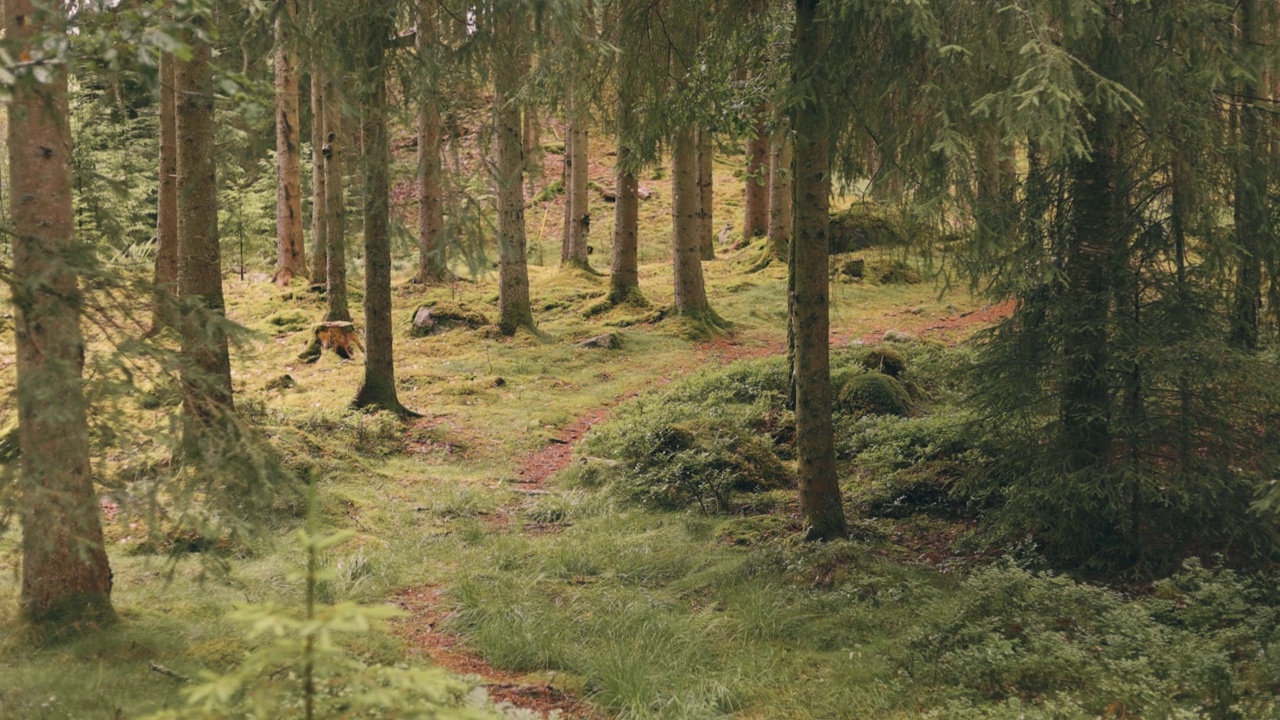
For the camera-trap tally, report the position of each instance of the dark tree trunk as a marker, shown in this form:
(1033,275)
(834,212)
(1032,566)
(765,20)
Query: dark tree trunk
(319,215)
(206,375)
(432,265)
(379,386)
(65,575)
(706,195)
(291,253)
(514,310)
(624,270)
(755,205)
(577,202)
(335,205)
(166,272)
(1252,221)
(810,311)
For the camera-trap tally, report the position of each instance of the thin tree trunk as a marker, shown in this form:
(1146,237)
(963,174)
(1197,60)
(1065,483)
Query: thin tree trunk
(378,389)
(566,184)
(432,266)
(706,195)
(532,138)
(65,575)
(1251,212)
(335,204)
(319,194)
(166,271)
(576,199)
(780,152)
(690,290)
(755,205)
(810,310)
(291,252)
(514,310)
(206,376)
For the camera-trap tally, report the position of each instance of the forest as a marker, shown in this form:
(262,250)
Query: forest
(516,359)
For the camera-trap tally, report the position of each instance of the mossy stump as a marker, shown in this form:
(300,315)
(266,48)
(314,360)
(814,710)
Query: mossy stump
(337,336)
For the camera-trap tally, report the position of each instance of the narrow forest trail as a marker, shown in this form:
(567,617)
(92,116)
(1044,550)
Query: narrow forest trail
(424,628)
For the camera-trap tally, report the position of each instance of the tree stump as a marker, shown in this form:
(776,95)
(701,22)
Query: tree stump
(340,337)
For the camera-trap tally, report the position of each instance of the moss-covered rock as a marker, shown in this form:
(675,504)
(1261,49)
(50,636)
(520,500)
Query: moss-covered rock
(431,319)
(873,394)
(885,361)
(862,226)
(893,272)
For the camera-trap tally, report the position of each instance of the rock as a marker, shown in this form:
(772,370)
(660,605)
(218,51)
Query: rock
(723,237)
(848,267)
(643,192)
(284,382)
(607,341)
(431,319)
(898,336)
(608,194)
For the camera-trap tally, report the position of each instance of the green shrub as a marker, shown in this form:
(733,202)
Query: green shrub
(873,394)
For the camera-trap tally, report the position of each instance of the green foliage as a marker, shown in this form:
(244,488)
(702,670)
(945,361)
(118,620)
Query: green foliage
(303,664)
(1198,647)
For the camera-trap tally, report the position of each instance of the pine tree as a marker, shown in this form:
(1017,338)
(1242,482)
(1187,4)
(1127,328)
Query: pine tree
(291,254)
(510,63)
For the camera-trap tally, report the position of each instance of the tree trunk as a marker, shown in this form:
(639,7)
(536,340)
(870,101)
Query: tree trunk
(706,195)
(1085,401)
(577,203)
(755,205)
(532,138)
(624,269)
(1250,210)
(319,214)
(690,291)
(166,272)
(378,388)
(780,151)
(65,575)
(810,310)
(514,310)
(206,375)
(432,265)
(291,253)
(335,204)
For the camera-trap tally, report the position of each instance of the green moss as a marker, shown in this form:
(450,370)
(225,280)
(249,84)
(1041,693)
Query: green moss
(752,530)
(873,394)
(886,361)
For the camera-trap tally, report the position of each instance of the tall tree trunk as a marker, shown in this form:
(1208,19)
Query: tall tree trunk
(755,205)
(319,194)
(514,310)
(1251,212)
(291,252)
(65,575)
(206,375)
(624,269)
(378,389)
(532,138)
(432,266)
(1085,398)
(780,151)
(690,290)
(335,204)
(576,198)
(810,310)
(166,271)
(706,195)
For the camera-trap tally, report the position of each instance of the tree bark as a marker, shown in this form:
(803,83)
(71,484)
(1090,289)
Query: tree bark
(532,138)
(206,374)
(810,310)
(378,389)
(166,270)
(1252,226)
(291,252)
(514,310)
(780,152)
(755,205)
(574,254)
(432,265)
(706,195)
(65,575)
(690,290)
(624,268)
(335,204)
(319,194)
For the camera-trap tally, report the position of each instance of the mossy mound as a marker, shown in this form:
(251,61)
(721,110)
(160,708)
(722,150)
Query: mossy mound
(885,361)
(873,394)
(441,316)
(893,272)
(862,226)
(289,321)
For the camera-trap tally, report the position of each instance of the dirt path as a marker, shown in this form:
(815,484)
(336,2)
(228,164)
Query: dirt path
(424,604)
